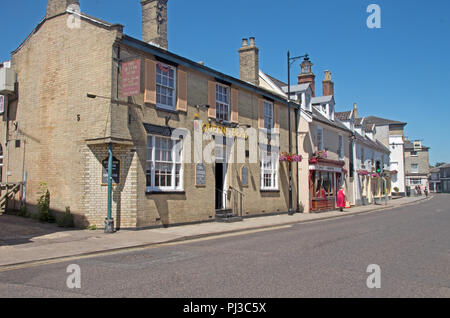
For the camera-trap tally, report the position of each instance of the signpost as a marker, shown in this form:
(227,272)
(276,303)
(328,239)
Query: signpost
(115,171)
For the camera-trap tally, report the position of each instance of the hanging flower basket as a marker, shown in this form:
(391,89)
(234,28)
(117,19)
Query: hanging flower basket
(362,172)
(320,154)
(375,175)
(286,157)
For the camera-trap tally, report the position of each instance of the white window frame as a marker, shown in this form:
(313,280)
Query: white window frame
(414,153)
(273,170)
(160,85)
(414,170)
(320,142)
(341,146)
(176,161)
(221,103)
(268,115)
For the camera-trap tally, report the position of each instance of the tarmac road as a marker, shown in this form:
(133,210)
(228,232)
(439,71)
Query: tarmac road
(329,258)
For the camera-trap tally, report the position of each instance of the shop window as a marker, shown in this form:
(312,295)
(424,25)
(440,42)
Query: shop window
(165,86)
(324,185)
(164,164)
(269,167)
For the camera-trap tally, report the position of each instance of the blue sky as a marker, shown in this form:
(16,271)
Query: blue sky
(401,71)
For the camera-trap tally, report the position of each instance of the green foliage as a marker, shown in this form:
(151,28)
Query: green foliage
(92,227)
(66,220)
(23,212)
(44,204)
(397,190)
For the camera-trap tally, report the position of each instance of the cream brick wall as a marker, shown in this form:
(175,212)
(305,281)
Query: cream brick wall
(56,67)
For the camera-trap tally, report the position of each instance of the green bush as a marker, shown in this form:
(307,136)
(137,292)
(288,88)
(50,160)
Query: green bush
(23,212)
(397,190)
(66,220)
(44,205)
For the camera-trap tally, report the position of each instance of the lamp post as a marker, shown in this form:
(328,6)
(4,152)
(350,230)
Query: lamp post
(290,61)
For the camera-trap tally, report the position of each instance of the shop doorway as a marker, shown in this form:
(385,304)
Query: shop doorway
(221,195)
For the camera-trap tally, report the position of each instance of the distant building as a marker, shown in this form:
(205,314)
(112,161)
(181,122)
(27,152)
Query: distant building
(445,178)
(435,180)
(390,133)
(417,164)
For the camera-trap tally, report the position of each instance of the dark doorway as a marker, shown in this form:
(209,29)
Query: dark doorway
(219,186)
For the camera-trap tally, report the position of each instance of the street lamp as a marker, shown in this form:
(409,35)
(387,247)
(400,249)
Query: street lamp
(109,222)
(290,61)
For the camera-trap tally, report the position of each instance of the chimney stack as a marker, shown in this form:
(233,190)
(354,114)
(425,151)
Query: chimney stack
(249,61)
(328,85)
(55,7)
(355,110)
(154,22)
(307,76)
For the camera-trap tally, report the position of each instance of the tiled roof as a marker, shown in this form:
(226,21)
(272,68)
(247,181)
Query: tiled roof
(382,121)
(344,116)
(317,115)
(277,82)
(358,122)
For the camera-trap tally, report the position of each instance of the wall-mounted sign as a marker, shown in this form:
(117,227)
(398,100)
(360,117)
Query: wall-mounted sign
(225,131)
(244,176)
(115,171)
(2,104)
(325,168)
(131,78)
(200,175)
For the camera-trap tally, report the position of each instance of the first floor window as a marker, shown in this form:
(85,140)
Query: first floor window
(164,164)
(319,138)
(222,103)
(269,167)
(414,168)
(341,147)
(165,86)
(268,115)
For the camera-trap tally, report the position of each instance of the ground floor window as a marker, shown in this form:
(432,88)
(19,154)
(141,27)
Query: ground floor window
(323,184)
(269,168)
(164,164)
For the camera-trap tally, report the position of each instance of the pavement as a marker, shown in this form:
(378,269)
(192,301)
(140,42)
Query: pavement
(25,241)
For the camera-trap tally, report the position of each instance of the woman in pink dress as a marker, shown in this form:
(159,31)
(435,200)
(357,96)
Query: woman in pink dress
(341,199)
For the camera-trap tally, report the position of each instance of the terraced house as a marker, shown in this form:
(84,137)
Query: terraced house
(91,105)
(323,140)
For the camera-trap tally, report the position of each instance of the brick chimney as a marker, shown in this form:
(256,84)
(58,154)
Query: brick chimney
(249,62)
(328,85)
(154,22)
(307,76)
(55,7)
(355,110)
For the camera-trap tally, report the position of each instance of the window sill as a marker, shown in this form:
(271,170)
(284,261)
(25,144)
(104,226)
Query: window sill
(166,109)
(151,192)
(270,190)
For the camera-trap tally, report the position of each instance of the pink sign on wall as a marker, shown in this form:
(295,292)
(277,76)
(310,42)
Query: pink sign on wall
(131,78)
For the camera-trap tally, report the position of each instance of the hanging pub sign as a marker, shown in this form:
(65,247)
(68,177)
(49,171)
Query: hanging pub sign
(115,171)
(131,78)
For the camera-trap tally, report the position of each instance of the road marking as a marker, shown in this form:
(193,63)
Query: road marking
(136,249)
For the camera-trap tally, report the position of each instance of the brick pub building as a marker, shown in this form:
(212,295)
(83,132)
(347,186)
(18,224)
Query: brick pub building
(68,107)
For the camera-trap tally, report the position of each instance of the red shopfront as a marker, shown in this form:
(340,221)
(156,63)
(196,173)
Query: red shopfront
(325,178)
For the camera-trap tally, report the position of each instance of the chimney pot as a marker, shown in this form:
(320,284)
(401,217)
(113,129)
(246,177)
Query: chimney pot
(252,41)
(244,42)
